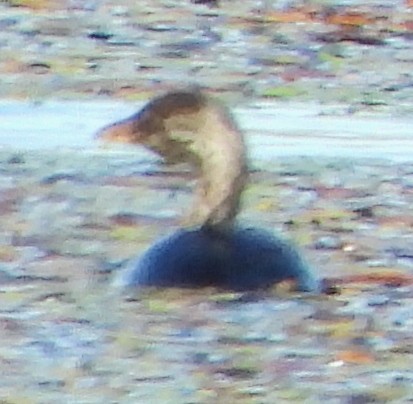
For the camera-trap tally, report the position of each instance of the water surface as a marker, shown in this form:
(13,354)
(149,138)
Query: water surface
(271,129)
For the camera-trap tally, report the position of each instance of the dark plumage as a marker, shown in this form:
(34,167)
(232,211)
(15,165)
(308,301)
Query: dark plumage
(241,259)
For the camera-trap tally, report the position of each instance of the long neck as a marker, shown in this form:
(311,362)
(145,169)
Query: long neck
(223,171)
(200,131)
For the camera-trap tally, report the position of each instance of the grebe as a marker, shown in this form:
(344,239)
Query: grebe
(211,250)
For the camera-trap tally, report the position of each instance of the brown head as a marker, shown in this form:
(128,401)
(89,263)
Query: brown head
(150,120)
(188,126)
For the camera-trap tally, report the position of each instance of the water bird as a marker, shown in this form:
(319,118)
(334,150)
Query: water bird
(211,248)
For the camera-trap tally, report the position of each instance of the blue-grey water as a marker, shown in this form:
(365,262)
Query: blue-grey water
(271,129)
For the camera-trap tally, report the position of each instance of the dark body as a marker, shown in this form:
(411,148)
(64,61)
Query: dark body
(243,259)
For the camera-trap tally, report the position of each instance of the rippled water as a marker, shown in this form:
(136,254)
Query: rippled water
(68,336)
